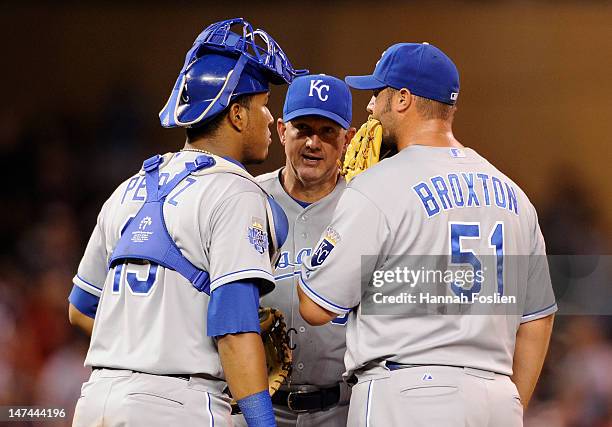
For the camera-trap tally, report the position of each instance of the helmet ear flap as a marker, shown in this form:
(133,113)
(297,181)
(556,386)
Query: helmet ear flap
(208,87)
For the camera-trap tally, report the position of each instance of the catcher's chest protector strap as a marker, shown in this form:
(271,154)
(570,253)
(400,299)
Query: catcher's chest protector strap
(146,236)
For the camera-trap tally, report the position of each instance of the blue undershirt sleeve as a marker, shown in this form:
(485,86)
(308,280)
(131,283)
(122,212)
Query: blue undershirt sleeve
(85,302)
(233,309)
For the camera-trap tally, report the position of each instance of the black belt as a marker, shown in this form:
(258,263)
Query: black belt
(185,377)
(308,401)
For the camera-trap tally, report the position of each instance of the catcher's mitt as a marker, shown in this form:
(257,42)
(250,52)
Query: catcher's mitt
(363,150)
(276,345)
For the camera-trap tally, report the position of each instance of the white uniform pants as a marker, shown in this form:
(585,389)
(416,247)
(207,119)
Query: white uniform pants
(126,398)
(436,396)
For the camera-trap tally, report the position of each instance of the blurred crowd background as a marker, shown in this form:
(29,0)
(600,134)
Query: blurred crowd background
(83,85)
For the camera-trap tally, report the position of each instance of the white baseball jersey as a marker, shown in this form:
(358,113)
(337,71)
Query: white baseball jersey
(430,201)
(319,351)
(151,319)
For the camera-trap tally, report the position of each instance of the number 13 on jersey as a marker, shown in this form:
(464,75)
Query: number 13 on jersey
(140,279)
(459,231)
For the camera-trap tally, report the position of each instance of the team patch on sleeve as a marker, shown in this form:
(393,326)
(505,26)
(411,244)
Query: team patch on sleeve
(258,236)
(330,239)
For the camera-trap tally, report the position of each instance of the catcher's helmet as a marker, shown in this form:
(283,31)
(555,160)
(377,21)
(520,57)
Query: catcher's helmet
(220,66)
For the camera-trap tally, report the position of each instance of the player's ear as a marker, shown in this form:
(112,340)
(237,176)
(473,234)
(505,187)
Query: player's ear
(238,116)
(350,133)
(403,100)
(281,128)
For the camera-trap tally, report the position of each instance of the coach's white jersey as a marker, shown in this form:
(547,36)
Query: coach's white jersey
(152,319)
(431,201)
(319,351)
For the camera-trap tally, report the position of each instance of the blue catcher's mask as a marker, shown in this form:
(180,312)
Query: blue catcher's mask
(220,66)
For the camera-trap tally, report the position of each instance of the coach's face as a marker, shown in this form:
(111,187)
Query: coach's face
(257,135)
(313,146)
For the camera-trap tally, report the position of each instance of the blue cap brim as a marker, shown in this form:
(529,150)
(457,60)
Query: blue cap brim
(364,82)
(316,112)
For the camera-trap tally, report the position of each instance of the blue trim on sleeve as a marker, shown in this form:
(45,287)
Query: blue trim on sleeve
(233,309)
(339,307)
(268,275)
(540,311)
(85,302)
(90,284)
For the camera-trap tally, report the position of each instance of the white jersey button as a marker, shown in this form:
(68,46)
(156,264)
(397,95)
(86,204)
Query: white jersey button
(302,329)
(300,366)
(304,235)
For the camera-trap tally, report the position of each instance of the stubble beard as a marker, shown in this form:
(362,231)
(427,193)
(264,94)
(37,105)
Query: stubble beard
(389,140)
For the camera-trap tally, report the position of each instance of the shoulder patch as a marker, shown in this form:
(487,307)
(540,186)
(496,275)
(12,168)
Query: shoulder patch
(330,239)
(258,236)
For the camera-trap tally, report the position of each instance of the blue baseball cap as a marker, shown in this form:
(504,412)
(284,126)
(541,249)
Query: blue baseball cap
(419,67)
(319,95)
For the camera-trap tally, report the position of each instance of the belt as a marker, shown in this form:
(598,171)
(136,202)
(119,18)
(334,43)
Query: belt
(394,366)
(308,401)
(185,377)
